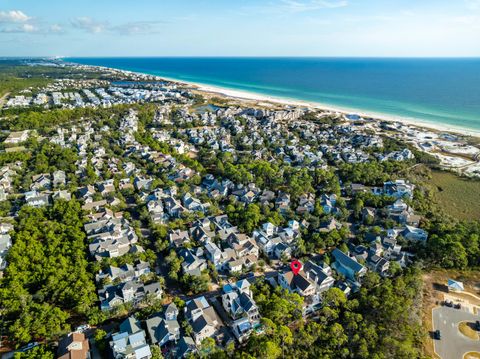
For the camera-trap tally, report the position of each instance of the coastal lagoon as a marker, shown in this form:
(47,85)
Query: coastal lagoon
(443,92)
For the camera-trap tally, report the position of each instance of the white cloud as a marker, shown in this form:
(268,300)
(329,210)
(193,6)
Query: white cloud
(13,16)
(137,28)
(130,28)
(55,28)
(311,5)
(24,28)
(89,25)
(28,28)
(288,7)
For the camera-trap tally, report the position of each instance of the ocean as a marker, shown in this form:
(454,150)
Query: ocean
(442,91)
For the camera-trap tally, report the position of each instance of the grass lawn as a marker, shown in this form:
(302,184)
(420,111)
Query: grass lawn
(466,329)
(459,197)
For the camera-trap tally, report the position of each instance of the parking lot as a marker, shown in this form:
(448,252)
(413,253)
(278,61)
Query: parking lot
(453,344)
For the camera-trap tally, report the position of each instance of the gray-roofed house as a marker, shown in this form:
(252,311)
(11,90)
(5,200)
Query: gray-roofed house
(347,266)
(130,341)
(203,319)
(162,331)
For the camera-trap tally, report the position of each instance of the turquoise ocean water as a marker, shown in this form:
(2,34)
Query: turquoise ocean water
(441,91)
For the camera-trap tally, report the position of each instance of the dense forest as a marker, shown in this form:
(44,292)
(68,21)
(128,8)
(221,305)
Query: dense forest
(47,281)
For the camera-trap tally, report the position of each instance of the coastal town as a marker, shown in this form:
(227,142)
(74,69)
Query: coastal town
(192,206)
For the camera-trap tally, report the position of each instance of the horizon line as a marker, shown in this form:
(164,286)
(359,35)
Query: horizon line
(59,57)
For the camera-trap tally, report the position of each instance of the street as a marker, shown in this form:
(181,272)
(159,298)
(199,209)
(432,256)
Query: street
(453,344)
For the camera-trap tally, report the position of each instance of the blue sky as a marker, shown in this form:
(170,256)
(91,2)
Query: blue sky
(240,28)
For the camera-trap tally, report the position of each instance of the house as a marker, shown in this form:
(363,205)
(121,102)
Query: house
(94,206)
(193,204)
(125,184)
(282,202)
(237,300)
(5,245)
(213,254)
(106,187)
(110,237)
(203,319)
(378,264)
(282,250)
(130,292)
(320,275)
(173,207)
(5,227)
(155,209)
(414,234)
(41,181)
(455,286)
(162,331)
(358,188)
(59,178)
(170,311)
(347,266)
(17,137)
(62,194)
(245,248)
(35,199)
(398,189)
(201,232)
(297,283)
(306,203)
(130,342)
(3,194)
(235,265)
(368,214)
(328,203)
(73,346)
(399,211)
(185,347)
(329,225)
(178,238)
(142,184)
(268,245)
(193,263)
(124,273)
(86,192)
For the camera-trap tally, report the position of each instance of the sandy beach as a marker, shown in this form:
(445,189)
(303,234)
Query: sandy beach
(253,96)
(244,95)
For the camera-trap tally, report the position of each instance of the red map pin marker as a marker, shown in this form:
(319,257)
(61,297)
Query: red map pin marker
(296,266)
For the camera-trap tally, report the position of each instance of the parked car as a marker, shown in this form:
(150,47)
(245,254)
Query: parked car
(82,328)
(437,335)
(448,303)
(457,306)
(28,347)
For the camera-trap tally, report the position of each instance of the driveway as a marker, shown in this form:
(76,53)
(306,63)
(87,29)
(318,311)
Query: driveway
(453,344)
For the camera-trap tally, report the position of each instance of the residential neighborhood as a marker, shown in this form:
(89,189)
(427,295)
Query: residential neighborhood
(191,215)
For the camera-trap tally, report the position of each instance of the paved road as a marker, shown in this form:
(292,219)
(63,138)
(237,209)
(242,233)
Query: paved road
(453,344)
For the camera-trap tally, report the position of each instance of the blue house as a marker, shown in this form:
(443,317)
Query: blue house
(347,266)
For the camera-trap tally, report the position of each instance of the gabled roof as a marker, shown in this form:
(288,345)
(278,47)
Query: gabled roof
(346,261)
(158,328)
(298,281)
(130,325)
(185,346)
(453,284)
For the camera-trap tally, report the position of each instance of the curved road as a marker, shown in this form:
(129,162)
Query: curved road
(453,344)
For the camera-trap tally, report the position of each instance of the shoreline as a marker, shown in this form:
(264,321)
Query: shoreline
(255,96)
